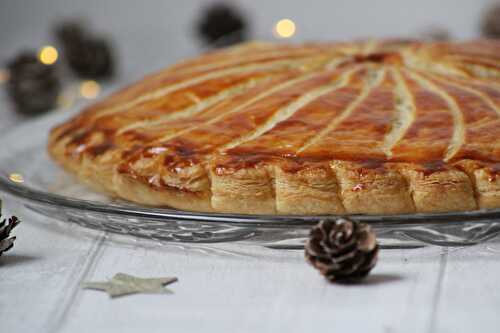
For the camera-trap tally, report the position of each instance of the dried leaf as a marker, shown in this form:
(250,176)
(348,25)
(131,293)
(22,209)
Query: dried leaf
(123,284)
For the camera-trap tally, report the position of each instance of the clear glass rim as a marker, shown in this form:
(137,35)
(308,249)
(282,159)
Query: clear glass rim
(26,193)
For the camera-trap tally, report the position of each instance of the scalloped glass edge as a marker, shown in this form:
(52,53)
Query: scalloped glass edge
(45,198)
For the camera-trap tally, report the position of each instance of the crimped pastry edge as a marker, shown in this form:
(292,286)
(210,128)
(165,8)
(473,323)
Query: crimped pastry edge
(334,187)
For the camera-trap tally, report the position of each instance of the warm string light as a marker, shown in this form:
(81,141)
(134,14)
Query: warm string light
(284,28)
(4,76)
(67,98)
(90,89)
(48,55)
(16,177)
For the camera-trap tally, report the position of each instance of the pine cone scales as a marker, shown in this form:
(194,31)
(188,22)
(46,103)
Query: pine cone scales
(6,227)
(342,250)
(90,58)
(490,25)
(87,55)
(33,86)
(222,25)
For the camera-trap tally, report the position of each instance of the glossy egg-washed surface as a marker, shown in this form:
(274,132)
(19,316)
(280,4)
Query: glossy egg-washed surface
(431,107)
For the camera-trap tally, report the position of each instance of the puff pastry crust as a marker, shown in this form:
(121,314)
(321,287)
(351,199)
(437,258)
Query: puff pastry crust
(376,127)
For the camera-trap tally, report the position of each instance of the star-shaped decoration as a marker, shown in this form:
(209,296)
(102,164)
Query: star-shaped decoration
(123,284)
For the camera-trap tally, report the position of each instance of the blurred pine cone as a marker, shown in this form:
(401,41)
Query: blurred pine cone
(87,56)
(67,32)
(490,25)
(32,86)
(222,25)
(342,250)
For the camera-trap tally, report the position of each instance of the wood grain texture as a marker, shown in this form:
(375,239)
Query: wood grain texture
(39,278)
(237,288)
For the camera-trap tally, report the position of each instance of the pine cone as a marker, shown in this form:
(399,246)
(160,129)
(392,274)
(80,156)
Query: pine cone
(222,25)
(68,32)
(342,250)
(87,56)
(32,86)
(5,229)
(490,26)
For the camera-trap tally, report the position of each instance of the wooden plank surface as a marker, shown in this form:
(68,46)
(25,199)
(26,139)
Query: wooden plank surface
(241,288)
(256,290)
(469,290)
(39,275)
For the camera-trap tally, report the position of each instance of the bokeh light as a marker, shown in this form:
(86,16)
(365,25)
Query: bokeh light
(16,177)
(4,76)
(90,89)
(48,55)
(68,97)
(284,28)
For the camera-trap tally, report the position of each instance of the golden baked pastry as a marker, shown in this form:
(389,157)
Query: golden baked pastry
(378,127)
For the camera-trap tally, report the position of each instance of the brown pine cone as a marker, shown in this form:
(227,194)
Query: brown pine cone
(490,26)
(342,250)
(88,56)
(33,87)
(222,25)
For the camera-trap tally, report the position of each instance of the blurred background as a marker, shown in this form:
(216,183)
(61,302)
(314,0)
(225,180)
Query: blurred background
(125,39)
(149,34)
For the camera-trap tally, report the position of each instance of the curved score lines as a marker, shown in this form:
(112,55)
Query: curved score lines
(404,113)
(458,136)
(162,92)
(485,98)
(293,54)
(291,108)
(197,107)
(417,61)
(279,87)
(336,61)
(202,105)
(371,83)
(482,71)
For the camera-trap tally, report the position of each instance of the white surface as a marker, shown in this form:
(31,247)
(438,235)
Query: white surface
(232,288)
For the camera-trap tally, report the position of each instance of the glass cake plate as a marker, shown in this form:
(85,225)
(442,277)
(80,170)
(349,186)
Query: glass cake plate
(27,173)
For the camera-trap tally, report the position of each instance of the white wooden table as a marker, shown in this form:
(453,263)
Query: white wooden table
(237,288)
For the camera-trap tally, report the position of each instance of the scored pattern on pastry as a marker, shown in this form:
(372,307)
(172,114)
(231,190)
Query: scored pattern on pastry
(458,135)
(405,113)
(377,127)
